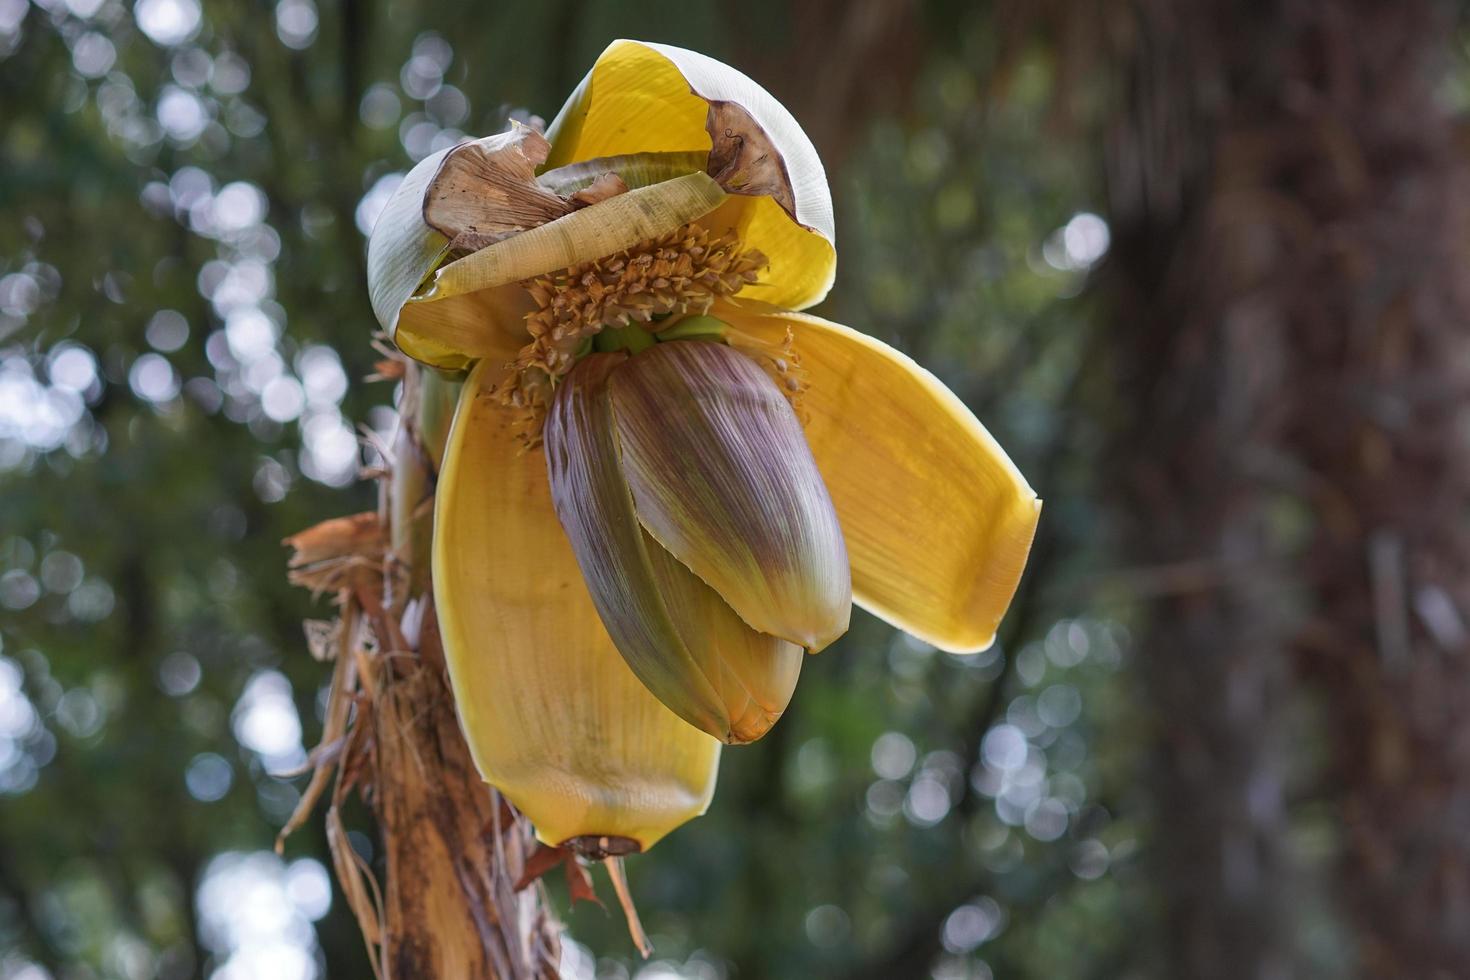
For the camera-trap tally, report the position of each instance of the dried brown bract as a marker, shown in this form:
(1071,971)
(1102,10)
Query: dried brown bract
(338,553)
(486,190)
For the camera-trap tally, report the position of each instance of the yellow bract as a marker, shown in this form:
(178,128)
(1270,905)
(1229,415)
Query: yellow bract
(553,716)
(642,97)
(938,520)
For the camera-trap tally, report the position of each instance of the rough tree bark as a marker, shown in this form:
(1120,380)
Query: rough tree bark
(1288,205)
(443,902)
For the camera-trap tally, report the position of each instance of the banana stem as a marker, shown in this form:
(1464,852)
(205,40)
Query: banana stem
(426,410)
(438,396)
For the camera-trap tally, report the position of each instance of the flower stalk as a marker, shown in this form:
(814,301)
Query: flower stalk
(720,477)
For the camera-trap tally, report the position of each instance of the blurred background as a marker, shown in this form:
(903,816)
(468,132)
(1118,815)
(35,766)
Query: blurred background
(1199,267)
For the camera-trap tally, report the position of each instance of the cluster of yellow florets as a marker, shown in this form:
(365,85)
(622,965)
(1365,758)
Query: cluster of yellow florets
(679,273)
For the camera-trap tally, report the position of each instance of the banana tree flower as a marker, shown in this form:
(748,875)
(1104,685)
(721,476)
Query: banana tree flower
(660,476)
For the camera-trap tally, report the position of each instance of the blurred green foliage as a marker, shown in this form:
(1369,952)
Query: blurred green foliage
(183,336)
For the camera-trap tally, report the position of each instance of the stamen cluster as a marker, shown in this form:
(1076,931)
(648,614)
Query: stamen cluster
(780,360)
(679,273)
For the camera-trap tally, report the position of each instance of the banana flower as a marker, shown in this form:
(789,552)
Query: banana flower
(663,484)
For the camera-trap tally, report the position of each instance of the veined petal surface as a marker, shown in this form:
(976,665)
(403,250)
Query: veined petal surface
(722,477)
(753,673)
(938,520)
(675,632)
(553,716)
(646,97)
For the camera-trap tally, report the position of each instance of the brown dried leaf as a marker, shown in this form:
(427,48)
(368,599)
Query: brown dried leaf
(542,860)
(330,555)
(334,730)
(354,765)
(545,858)
(361,890)
(355,535)
(603,187)
(388,369)
(579,883)
(742,158)
(486,190)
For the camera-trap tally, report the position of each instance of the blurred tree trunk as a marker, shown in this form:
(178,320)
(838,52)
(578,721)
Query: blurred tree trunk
(445,902)
(1292,359)
(843,62)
